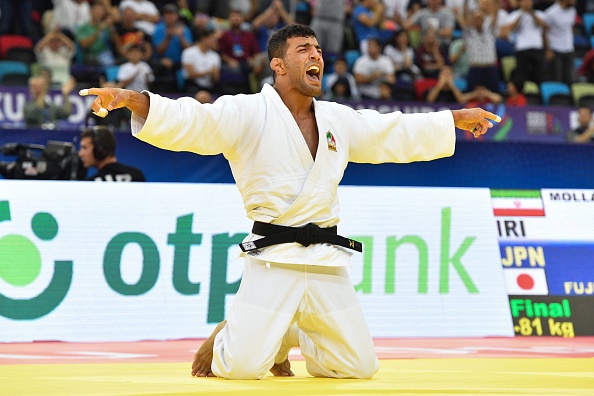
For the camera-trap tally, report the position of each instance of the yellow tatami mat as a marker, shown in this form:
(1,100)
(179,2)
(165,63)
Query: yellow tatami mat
(451,376)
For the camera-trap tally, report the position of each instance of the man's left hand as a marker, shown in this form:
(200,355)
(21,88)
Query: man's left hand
(475,120)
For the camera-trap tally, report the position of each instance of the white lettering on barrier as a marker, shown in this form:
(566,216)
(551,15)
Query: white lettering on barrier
(12,105)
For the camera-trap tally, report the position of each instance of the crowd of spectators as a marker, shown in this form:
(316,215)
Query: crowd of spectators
(434,50)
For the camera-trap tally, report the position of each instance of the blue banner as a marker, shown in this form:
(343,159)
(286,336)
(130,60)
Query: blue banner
(519,124)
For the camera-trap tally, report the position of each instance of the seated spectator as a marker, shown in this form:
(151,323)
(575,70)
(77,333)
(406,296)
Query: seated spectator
(147,14)
(584,133)
(97,150)
(93,37)
(431,55)
(69,15)
(367,18)
(55,52)
(201,22)
(515,97)
(261,71)
(38,112)
(458,58)
(135,74)
(340,89)
(403,57)
(201,64)
(372,69)
(386,91)
(481,96)
(435,17)
(585,72)
(170,39)
(203,96)
(445,90)
(341,84)
(238,49)
(126,34)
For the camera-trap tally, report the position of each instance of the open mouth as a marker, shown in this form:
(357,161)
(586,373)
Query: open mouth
(313,73)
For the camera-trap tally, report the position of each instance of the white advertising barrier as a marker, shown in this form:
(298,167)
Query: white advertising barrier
(84,261)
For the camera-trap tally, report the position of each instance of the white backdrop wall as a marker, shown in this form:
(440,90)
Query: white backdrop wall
(86,261)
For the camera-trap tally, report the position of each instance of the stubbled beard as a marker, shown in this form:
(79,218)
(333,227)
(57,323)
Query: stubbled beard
(311,90)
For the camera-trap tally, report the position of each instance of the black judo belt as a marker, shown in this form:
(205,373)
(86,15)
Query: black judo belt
(308,234)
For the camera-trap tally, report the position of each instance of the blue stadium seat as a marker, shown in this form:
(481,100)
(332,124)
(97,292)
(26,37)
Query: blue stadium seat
(578,63)
(13,67)
(181,80)
(581,41)
(351,56)
(111,72)
(550,88)
(588,22)
(461,83)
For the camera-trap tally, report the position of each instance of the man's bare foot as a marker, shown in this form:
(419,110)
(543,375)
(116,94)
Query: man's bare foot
(203,357)
(282,369)
(290,340)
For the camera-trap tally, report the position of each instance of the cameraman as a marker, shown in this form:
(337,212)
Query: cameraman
(97,149)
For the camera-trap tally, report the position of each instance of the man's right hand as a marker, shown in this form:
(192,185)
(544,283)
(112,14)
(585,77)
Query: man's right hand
(109,99)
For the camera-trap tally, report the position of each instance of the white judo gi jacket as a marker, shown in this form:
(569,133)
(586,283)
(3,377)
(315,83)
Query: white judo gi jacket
(277,177)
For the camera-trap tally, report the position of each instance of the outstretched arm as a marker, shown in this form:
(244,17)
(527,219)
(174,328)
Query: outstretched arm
(109,99)
(475,120)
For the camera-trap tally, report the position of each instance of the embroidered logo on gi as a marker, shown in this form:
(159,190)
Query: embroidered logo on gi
(331,141)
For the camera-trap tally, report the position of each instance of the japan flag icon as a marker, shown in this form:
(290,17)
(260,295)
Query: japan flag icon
(524,281)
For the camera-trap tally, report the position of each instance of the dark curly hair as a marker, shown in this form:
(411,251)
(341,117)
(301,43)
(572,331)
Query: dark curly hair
(277,44)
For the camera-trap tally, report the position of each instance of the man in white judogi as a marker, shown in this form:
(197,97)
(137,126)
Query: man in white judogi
(288,153)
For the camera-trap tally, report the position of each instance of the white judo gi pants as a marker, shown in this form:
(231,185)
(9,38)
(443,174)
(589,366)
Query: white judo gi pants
(334,338)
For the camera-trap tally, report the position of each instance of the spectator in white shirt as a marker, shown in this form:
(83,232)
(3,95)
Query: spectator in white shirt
(560,18)
(434,17)
(372,69)
(55,52)
(402,55)
(529,25)
(68,15)
(340,84)
(147,14)
(201,64)
(135,74)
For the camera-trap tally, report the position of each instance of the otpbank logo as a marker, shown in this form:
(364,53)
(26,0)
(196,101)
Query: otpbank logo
(21,264)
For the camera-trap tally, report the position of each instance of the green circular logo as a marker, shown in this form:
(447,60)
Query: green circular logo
(45,226)
(20,265)
(20,262)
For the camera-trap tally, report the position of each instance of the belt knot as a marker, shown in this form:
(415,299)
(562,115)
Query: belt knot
(308,234)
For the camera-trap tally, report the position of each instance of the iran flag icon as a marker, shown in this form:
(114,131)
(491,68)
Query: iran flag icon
(521,281)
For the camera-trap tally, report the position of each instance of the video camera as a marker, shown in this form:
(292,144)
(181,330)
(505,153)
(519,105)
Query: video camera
(56,161)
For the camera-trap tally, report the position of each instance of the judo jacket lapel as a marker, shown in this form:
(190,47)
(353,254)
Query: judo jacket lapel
(308,191)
